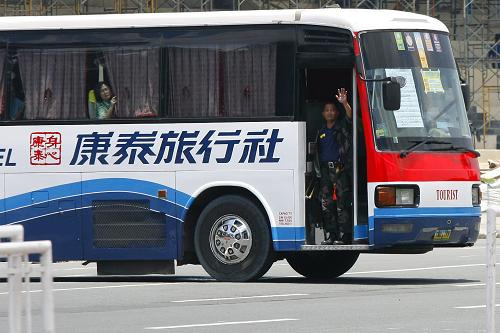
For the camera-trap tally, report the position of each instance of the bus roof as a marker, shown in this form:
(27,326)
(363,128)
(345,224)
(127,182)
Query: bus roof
(354,20)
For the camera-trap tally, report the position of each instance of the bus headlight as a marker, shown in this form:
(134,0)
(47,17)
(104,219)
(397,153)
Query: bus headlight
(397,196)
(476,195)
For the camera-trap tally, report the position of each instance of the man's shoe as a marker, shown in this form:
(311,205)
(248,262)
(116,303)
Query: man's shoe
(328,241)
(338,242)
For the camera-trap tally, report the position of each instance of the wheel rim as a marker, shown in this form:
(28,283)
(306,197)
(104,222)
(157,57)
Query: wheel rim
(230,239)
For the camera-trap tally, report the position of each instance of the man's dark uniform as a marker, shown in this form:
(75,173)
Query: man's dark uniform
(333,166)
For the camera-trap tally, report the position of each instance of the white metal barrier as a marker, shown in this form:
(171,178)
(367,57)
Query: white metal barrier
(493,197)
(18,267)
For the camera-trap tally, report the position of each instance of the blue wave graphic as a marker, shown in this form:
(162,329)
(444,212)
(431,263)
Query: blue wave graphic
(79,195)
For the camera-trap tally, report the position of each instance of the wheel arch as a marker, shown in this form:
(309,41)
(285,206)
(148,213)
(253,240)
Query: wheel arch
(207,193)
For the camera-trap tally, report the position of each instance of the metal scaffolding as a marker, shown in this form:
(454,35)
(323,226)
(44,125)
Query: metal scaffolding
(480,58)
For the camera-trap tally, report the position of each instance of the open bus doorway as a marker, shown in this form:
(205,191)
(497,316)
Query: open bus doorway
(319,86)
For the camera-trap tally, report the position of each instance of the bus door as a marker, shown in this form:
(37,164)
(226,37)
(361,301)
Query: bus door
(325,64)
(48,205)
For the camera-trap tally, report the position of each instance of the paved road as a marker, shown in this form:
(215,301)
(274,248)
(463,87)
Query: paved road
(441,291)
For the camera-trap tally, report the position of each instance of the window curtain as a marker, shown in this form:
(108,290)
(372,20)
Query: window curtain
(54,83)
(250,81)
(193,82)
(3,54)
(135,80)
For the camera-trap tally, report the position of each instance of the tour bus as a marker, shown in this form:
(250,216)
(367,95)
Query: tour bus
(198,147)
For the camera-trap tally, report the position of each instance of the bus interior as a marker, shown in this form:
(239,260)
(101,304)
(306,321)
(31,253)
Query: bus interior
(319,83)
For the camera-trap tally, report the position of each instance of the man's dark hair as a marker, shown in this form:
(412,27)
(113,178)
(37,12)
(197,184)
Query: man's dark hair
(332,103)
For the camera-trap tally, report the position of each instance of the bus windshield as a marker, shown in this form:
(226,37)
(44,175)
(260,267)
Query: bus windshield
(432,107)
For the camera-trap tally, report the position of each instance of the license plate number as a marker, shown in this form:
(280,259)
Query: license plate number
(442,235)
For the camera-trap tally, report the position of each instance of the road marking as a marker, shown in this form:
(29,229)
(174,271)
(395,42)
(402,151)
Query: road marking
(471,284)
(105,287)
(73,269)
(473,306)
(414,269)
(222,323)
(474,255)
(233,298)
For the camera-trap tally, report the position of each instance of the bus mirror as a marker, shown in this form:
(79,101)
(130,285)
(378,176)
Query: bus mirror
(466,94)
(391,94)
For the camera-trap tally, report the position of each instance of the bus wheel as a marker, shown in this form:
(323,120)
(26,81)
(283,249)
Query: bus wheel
(322,264)
(232,240)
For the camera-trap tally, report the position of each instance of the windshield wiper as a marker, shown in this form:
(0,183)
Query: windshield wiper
(463,149)
(420,143)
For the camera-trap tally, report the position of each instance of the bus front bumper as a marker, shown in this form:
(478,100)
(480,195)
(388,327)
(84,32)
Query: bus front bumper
(436,231)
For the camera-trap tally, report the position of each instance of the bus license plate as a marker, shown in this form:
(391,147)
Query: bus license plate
(442,235)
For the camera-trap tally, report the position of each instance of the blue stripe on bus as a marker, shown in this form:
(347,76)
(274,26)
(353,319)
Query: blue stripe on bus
(427,211)
(287,245)
(288,233)
(96,185)
(361,231)
(288,238)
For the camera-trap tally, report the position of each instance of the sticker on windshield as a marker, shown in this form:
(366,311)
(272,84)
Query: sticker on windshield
(428,42)
(380,131)
(409,41)
(432,81)
(408,114)
(398,36)
(421,51)
(437,44)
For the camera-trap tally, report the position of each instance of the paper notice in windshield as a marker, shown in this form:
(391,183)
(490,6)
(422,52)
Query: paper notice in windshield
(437,43)
(432,81)
(421,50)
(428,42)
(398,36)
(409,41)
(408,114)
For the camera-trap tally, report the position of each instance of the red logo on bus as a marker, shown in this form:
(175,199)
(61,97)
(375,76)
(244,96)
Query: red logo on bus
(45,148)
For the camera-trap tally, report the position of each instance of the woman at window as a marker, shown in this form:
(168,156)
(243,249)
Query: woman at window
(105,101)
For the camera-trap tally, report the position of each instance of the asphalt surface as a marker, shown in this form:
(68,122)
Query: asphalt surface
(441,291)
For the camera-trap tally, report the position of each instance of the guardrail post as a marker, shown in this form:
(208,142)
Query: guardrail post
(17,253)
(14,233)
(491,234)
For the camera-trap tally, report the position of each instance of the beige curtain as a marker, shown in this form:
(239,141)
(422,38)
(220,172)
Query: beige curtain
(54,83)
(135,80)
(193,82)
(250,81)
(3,107)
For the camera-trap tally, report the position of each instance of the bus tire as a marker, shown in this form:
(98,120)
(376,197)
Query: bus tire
(322,265)
(232,240)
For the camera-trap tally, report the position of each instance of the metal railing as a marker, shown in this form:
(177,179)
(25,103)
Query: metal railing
(18,269)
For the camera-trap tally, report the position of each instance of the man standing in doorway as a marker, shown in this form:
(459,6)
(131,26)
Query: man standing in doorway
(333,166)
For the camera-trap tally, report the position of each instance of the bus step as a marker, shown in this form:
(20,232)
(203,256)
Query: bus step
(354,247)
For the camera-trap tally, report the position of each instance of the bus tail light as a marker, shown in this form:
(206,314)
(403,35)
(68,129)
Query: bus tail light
(476,195)
(396,196)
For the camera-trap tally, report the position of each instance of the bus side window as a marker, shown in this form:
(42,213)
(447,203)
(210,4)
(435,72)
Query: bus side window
(3,56)
(234,81)
(14,96)
(53,83)
(134,75)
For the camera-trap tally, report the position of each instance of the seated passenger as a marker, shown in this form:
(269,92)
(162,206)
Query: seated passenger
(105,101)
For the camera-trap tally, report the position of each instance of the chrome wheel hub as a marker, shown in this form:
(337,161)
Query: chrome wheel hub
(230,239)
